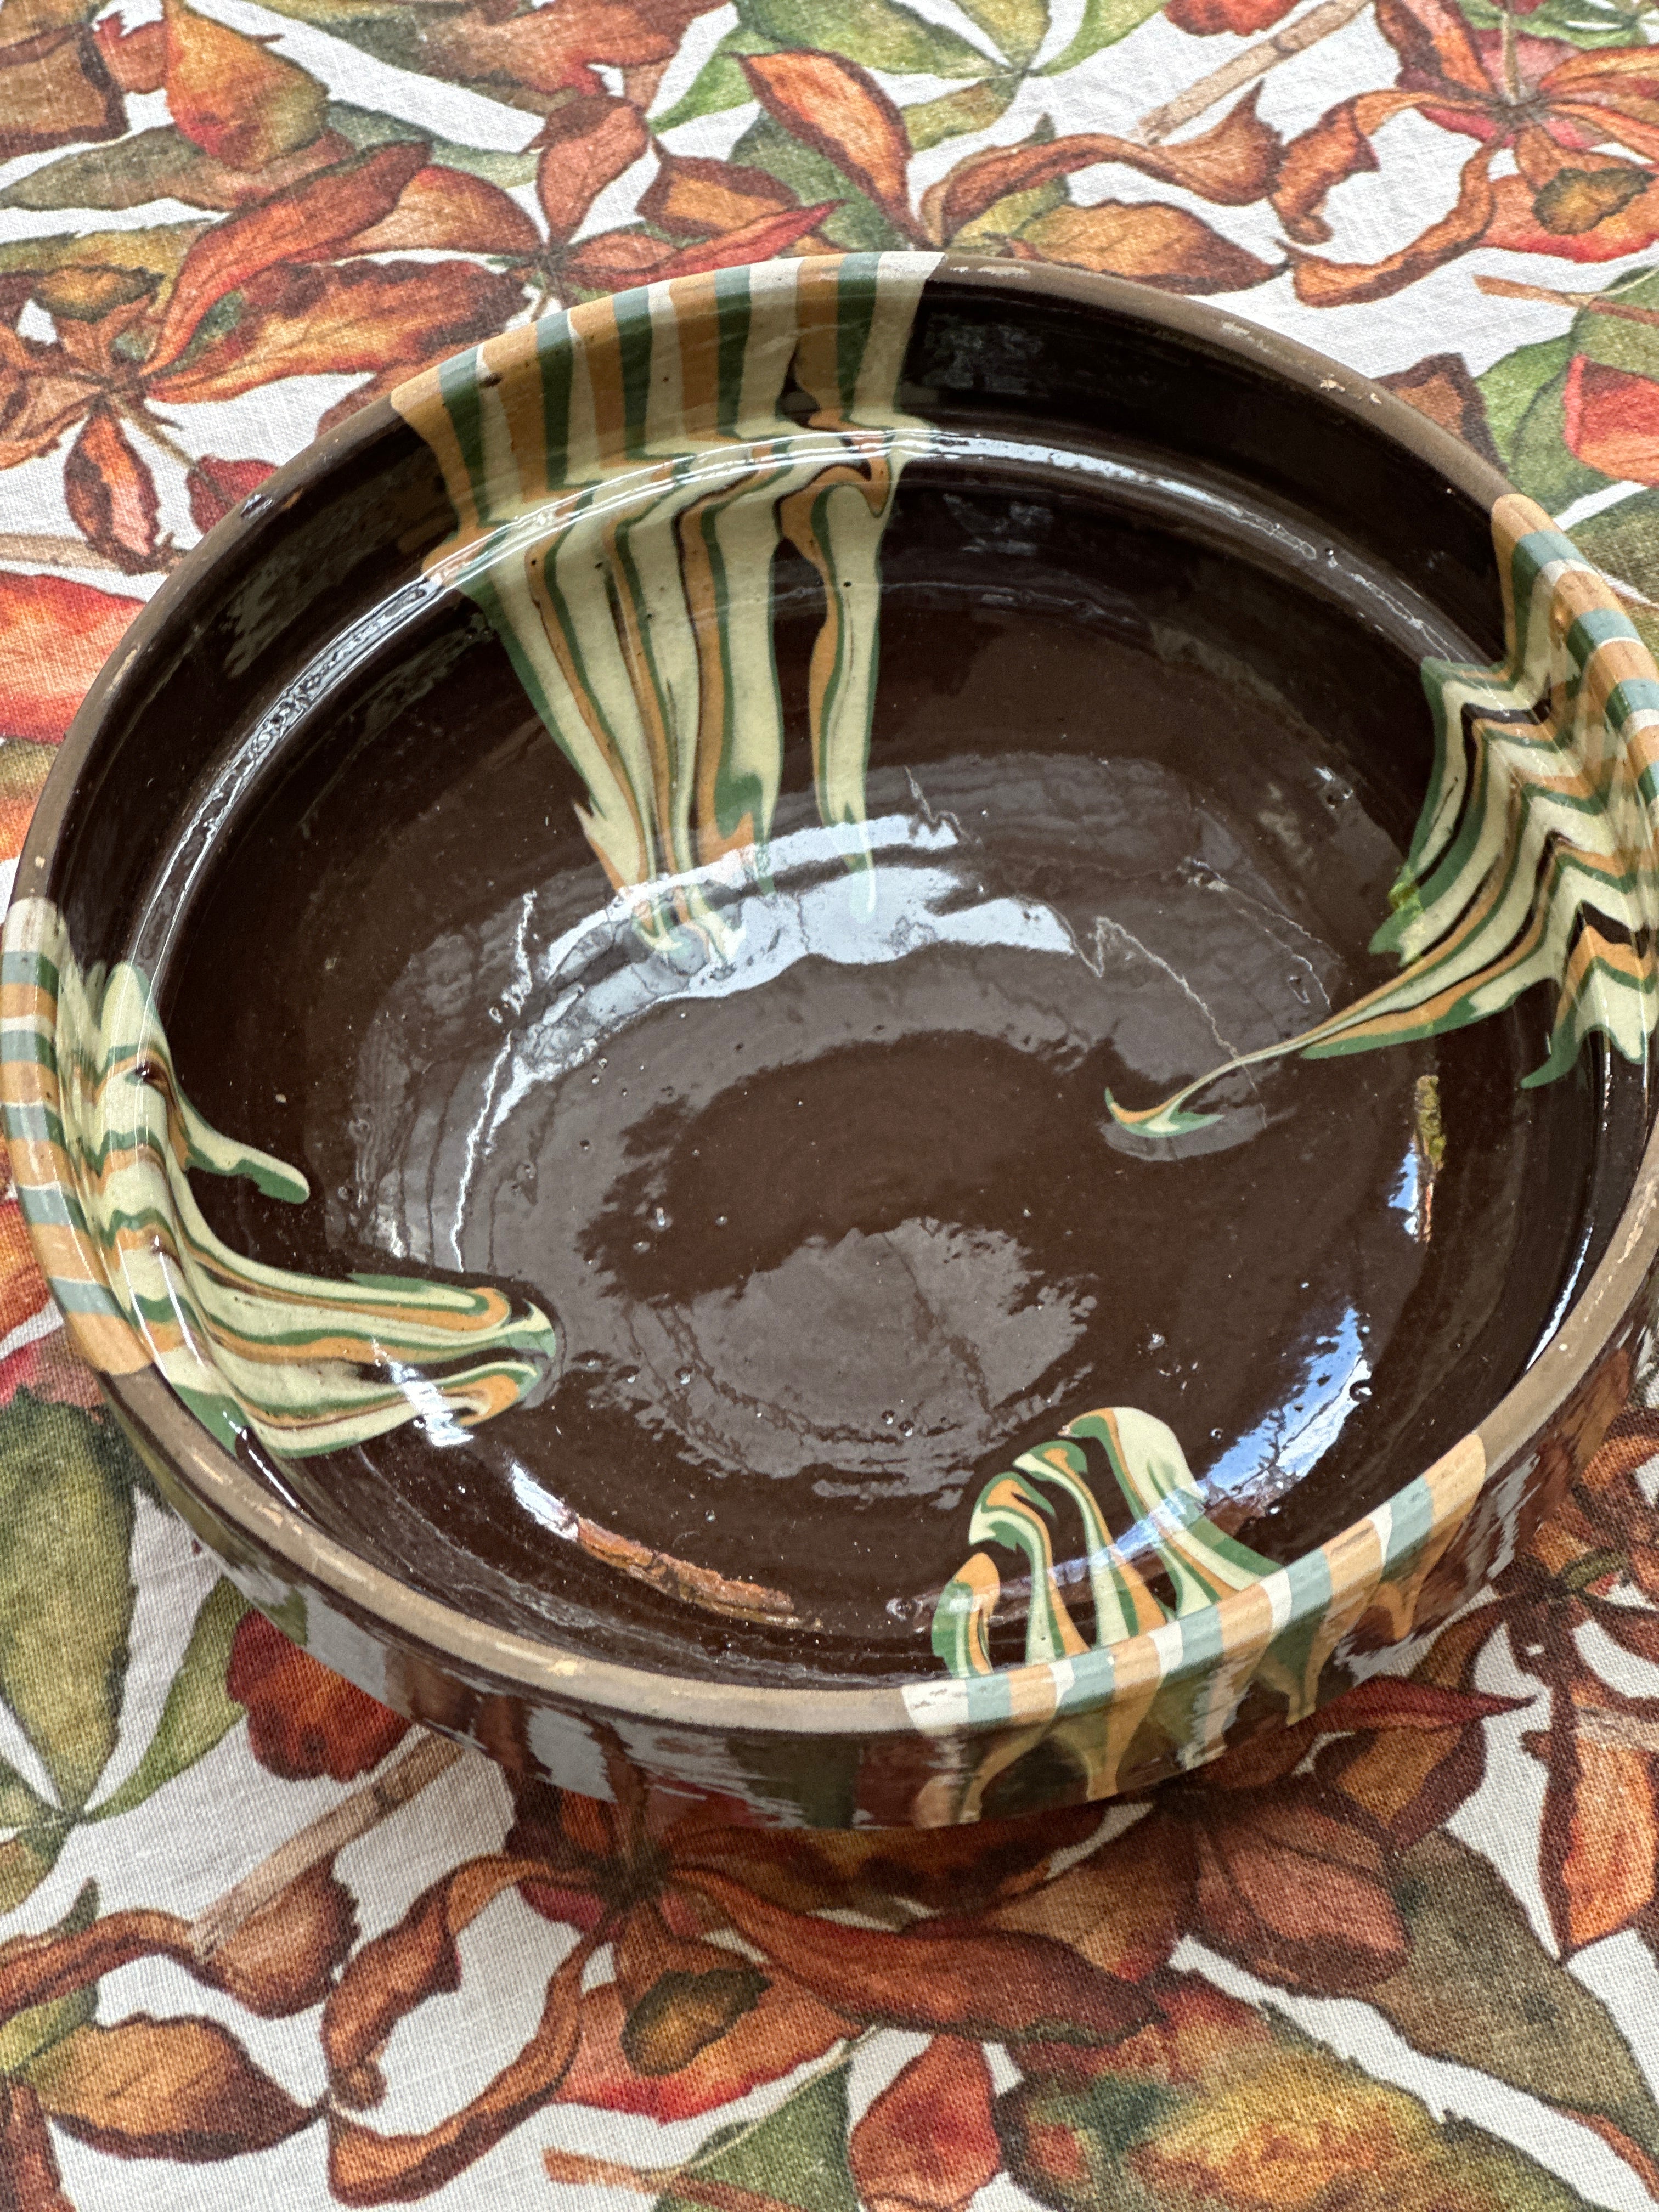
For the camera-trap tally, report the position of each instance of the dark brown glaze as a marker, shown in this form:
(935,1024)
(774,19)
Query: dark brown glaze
(826,1251)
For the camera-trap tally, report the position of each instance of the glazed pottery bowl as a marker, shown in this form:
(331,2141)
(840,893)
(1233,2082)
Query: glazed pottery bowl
(873,1032)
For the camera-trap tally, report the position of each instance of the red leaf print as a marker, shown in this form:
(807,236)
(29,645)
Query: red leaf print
(217,488)
(111,494)
(451,211)
(587,144)
(48,1368)
(928,2143)
(22,1287)
(138,60)
(1613,420)
(1399,1701)
(56,636)
(833,104)
(1203,19)
(1435,46)
(302,1720)
(295,225)
(232,96)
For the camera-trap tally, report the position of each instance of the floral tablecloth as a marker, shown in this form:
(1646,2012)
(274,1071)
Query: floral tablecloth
(284,1951)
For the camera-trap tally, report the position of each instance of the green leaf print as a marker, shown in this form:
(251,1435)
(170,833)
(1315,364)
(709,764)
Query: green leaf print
(66,1590)
(798,2155)
(198,1712)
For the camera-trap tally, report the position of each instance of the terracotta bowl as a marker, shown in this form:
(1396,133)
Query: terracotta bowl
(873,1032)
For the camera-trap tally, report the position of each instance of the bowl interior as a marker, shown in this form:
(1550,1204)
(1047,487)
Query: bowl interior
(777,1021)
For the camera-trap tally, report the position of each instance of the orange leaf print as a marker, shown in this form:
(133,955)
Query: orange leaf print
(1584,218)
(1233,165)
(928,2143)
(180,2088)
(546,49)
(785,2028)
(396,1972)
(1321,284)
(22,1288)
(691,197)
(295,225)
(111,494)
(232,96)
(1162,245)
(23,771)
(302,1720)
(586,145)
(217,488)
(1295,1893)
(940,1975)
(56,636)
(365,2167)
(1124,1908)
(1440,386)
(1601,1831)
(837,107)
(56,91)
(29,2180)
(1337,147)
(283,1959)
(451,211)
(1613,420)
(621,257)
(301,321)
(137,59)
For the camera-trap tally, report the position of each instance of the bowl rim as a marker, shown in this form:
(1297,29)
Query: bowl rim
(560,1675)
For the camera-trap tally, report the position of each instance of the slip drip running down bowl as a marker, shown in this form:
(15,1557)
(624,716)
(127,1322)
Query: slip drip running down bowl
(873,1030)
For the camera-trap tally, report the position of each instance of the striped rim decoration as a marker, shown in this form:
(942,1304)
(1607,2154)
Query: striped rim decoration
(1184,1679)
(102,1141)
(1534,859)
(623,474)
(1145,1457)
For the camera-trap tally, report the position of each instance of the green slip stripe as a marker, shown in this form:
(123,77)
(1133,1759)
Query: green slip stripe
(85,1298)
(855,309)
(636,339)
(732,310)
(556,359)
(29,967)
(458,383)
(20,1042)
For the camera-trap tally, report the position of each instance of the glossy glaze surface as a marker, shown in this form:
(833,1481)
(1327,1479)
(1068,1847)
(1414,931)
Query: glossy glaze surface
(833,1224)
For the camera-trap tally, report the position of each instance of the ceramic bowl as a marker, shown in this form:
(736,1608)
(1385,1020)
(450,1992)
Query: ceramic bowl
(874,1032)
